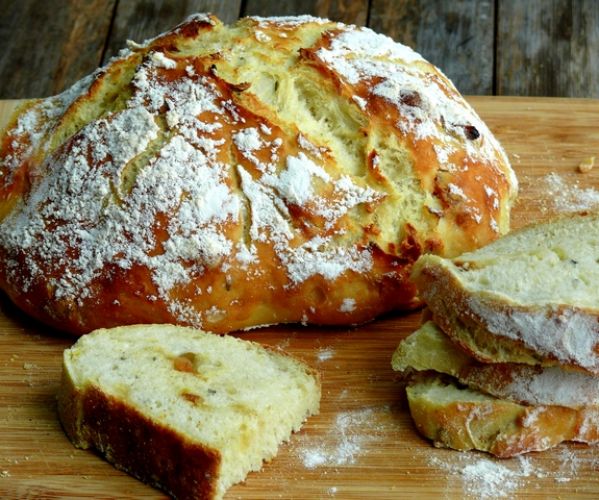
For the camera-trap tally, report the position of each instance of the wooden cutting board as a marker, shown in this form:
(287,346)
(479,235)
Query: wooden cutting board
(363,444)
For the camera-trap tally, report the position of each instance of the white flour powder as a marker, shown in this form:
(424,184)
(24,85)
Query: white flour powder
(484,477)
(345,440)
(567,196)
(324,354)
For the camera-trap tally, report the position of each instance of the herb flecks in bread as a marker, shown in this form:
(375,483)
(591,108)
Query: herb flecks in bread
(171,185)
(186,411)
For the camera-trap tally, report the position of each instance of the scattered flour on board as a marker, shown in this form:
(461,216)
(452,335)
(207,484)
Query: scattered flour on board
(482,477)
(568,197)
(342,445)
(486,478)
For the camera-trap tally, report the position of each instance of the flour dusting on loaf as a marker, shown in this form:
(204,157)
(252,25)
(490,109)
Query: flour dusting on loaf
(232,176)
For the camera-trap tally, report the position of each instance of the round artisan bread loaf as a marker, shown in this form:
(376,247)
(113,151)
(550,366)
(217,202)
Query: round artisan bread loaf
(276,170)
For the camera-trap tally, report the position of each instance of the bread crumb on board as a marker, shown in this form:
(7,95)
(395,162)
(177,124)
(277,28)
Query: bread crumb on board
(586,165)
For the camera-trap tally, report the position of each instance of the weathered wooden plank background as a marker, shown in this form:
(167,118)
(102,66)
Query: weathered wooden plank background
(503,47)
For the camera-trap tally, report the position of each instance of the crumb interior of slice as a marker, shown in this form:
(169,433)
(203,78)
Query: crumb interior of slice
(227,394)
(552,263)
(429,349)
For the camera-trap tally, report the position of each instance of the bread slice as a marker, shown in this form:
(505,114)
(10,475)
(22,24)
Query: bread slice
(186,411)
(465,419)
(530,297)
(428,348)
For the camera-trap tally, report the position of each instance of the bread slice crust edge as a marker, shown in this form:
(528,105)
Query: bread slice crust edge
(480,324)
(429,349)
(137,445)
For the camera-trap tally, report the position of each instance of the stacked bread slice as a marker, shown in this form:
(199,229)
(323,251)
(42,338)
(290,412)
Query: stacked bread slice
(510,361)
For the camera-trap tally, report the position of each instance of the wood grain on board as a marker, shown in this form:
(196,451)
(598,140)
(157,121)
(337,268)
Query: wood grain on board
(548,48)
(363,444)
(456,36)
(46,46)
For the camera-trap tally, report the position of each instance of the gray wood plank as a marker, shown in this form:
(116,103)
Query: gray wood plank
(548,48)
(47,46)
(347,11)
(455,35)
(142,19)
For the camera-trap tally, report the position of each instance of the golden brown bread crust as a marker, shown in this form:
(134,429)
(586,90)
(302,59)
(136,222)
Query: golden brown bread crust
(85,244)
(430,349)
(184,410)
(133,443)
